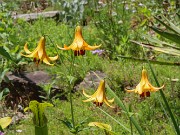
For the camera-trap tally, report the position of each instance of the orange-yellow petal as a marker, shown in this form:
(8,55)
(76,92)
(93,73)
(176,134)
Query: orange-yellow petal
(130,90)
(86,94)
(91,47)
(45,60)
(53,58)
(107,103)
(154,89)
(64,48)
(88,100)
(26,49)
(111,100)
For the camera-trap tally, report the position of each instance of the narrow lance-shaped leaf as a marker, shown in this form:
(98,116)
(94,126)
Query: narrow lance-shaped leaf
(4,53)
(166,50)
(174,27)
(160,43)
(171,36)
(169,26)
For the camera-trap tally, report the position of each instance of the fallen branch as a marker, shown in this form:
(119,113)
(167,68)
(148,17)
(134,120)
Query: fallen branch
(34,16)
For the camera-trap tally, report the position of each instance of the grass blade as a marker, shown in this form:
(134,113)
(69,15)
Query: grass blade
(4,53)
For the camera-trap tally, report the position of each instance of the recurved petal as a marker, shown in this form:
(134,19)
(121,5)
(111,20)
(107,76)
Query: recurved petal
(45,60)
(107,103)
(88,100)
(28,55)
(91,47)
(64,48)
(130,90)
(26,49)
(86,94)
(110,101)
(23,54)
(53,58)
(154,89)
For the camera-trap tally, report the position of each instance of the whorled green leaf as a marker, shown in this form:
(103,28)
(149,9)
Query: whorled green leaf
(39,118)
(4,53)
(76,129)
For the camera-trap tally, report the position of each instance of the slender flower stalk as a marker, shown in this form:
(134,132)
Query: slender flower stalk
(79,45)
(39,54)
(99,96)
(144,87)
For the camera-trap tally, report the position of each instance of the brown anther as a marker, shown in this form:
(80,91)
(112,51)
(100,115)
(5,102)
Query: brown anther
(80,52)
(147,94)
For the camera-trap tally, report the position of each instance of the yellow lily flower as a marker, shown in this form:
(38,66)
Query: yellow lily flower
(144,87)
(79,45)
(99,96)
(39,54)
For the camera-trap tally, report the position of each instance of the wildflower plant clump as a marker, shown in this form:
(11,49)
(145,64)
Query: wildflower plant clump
(79,46)
(82,111)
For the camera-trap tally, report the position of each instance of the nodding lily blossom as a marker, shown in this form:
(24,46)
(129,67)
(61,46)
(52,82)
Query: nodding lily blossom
(39,54)
(144,87)
(99,96)
(79,45)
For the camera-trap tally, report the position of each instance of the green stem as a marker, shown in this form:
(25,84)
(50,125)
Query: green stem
(71,101)
(72,111)
(131,126)
(41,130)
